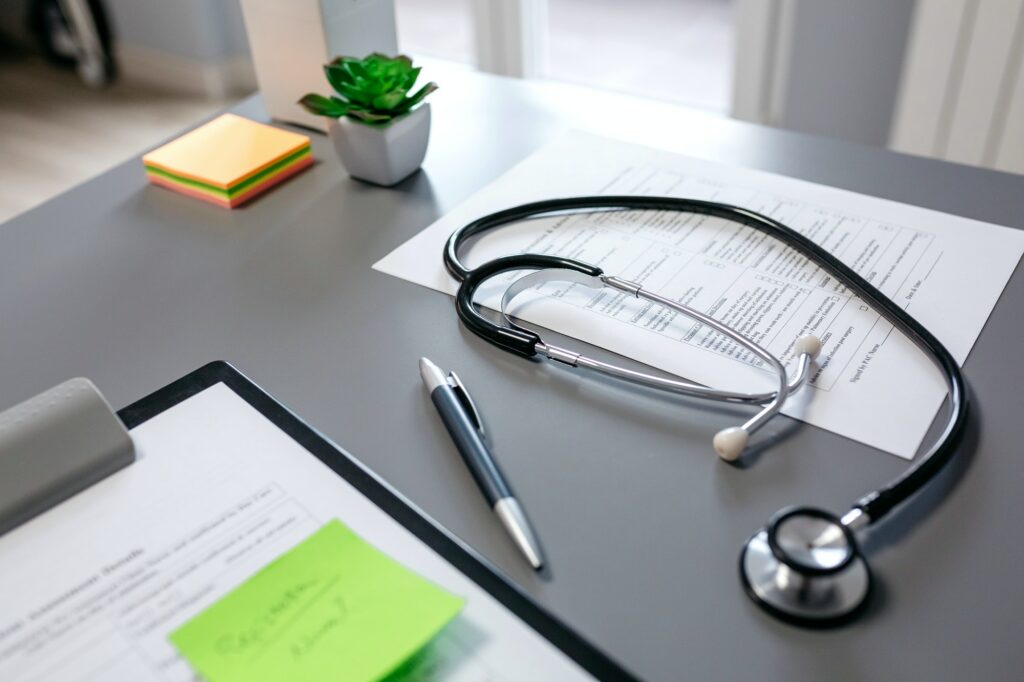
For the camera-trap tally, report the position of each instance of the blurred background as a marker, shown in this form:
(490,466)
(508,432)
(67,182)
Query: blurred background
(939,78)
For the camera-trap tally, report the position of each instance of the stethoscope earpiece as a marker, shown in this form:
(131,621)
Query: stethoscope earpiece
(731,442)
(805,567)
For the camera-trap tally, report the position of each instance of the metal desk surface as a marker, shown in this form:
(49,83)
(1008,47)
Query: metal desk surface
(134,286)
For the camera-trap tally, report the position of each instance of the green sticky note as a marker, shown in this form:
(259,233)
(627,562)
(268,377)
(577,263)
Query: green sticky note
(331,608)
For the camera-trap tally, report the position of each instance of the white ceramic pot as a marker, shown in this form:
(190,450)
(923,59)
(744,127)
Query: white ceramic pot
(383,155)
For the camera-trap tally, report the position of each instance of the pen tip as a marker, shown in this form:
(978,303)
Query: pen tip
(431,373)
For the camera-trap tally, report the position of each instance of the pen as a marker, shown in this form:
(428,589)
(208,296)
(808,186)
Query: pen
(463,422)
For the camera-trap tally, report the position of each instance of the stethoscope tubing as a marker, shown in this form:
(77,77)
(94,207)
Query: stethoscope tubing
(875,504)
(625,287)
(781,393)
(691,390)
(512,336)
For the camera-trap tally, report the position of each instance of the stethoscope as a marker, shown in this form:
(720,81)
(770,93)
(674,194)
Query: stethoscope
(805,566)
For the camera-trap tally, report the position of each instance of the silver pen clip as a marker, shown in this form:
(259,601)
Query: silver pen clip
(467,401)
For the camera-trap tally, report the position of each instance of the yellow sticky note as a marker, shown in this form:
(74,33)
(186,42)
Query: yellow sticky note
(226,151)
(331,608)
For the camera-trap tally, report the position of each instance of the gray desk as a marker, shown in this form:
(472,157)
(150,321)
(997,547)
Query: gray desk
(134,286)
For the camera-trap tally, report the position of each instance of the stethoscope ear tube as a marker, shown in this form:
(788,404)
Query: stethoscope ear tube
(516,339)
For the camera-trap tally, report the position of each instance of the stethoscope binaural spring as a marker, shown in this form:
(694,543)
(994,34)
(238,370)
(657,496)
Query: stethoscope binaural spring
(805,566)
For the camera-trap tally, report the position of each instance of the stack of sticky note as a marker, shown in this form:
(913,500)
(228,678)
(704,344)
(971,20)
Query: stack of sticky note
(229,160)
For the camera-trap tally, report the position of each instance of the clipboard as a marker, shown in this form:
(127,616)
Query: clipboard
(459,555)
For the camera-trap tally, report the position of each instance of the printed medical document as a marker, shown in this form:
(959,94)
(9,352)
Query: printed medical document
(870,383)
(94,587)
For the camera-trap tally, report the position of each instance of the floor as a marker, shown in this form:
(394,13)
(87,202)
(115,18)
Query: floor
(55,132)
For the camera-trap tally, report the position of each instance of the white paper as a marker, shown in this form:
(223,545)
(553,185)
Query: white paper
(92,588)
(871,385)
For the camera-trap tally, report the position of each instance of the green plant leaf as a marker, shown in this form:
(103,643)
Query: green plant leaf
(389,100)
(374,89)
(417,97)
(370,117)
(355,94)
(410,78)
(354,67)
(318,105)
(337,76)
(348,105)
(339,80)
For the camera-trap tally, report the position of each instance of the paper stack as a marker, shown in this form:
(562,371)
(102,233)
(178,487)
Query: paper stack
(229,160)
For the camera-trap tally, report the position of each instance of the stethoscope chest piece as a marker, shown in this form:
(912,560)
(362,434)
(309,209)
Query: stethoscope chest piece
(805,567)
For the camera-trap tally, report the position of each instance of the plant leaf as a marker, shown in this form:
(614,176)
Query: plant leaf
(318,105)
(417,97)
(354,93)
(354,67)
(337,76)
(374,89)
(389,100)
(410,78)
(370,117)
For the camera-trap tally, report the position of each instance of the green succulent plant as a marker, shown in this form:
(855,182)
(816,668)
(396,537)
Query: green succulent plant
(373,90)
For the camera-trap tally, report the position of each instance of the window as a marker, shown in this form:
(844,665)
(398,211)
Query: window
(677,50)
